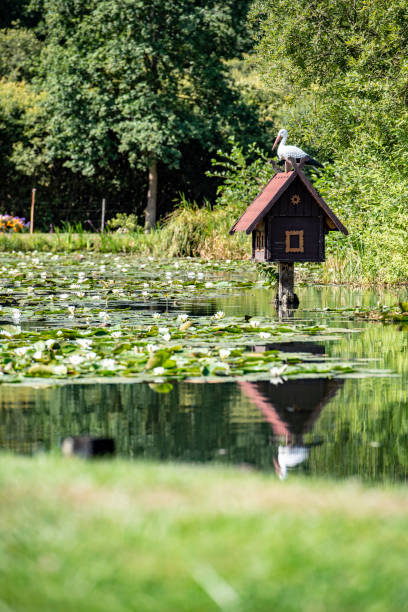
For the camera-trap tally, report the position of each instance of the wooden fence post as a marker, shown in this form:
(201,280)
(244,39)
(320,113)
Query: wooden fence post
(32,211)
(103,214)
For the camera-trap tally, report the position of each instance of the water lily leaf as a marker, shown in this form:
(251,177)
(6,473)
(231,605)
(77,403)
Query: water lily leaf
(161,387)
(40,370)
(157,359)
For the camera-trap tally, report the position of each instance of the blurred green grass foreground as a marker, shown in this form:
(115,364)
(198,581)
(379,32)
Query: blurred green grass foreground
(120,536)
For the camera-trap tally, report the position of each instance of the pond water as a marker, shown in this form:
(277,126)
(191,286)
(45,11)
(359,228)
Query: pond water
(352,426)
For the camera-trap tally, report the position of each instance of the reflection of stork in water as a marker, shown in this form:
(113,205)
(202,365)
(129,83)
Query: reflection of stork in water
(291,409)
(289,457)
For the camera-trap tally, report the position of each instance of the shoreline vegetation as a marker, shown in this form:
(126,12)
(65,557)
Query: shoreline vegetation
(139,535)
(203,234)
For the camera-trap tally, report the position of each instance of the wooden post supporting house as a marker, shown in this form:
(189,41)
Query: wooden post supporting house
(288,221)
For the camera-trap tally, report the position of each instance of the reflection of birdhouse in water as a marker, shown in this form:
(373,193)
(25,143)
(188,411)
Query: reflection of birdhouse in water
(288,220)
(291,408)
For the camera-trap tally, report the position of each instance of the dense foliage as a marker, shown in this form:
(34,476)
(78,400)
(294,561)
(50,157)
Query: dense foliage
(341,72)
(122,86)
(94,94)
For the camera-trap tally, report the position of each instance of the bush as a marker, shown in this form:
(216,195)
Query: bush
(123,223)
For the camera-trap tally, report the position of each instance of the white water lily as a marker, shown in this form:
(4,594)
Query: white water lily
(49,343)
(158,371)
(80,294)
(276,375)
(21,350)
(60,370)
(182,318)
(59,333)
(275,371)
(219,315)
(71,310)
(166,337)
(84,343)
(145,293)
(264,334)
(152,348)
(37,355)
(116,334)
(76,359)
(254,323)
(91,355)
(224,353)
(108,364)
(63,296)
(163,330)
(156,315)
(104,316)
(16,315)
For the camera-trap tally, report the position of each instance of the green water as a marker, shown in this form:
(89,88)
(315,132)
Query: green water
(356,427)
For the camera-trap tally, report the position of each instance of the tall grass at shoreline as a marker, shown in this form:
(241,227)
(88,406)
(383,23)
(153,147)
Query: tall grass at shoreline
(204,233)
(187,232)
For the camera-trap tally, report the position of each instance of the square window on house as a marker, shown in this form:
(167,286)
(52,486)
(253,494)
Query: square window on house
(294,241)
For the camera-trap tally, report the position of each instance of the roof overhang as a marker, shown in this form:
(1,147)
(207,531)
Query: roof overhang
(271,193)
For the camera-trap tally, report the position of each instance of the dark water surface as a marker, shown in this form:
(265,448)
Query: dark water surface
(338,427)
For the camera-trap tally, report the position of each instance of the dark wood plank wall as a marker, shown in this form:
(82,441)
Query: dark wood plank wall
(313,238)
(307,207)
(304,216)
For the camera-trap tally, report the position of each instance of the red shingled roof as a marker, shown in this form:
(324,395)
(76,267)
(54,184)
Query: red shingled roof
(271,194)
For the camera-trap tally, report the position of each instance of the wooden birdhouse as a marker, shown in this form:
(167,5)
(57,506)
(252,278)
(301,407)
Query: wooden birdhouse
(288,220)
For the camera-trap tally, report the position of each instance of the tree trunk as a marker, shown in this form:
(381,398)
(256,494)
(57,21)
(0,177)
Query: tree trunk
(151,208)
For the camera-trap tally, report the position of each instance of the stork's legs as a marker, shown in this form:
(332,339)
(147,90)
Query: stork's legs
(292,163)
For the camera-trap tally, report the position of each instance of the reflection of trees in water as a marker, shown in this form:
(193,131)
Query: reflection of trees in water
(205,422)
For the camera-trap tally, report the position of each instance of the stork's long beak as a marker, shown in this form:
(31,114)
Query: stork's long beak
(276,141)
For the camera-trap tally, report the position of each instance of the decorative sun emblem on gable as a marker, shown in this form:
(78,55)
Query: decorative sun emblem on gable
(295,199)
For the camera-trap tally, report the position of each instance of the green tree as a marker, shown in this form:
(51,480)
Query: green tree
(19,54)
(339,74)
(342,70)
(141,77)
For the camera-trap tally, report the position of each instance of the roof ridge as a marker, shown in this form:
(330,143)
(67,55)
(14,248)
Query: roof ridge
(266,199)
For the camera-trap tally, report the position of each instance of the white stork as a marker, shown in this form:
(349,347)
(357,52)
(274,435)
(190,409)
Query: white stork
(288,152)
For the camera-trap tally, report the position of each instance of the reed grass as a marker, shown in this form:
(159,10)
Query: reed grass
(201,232)
(188,231)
